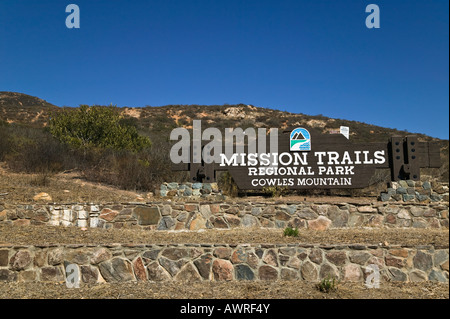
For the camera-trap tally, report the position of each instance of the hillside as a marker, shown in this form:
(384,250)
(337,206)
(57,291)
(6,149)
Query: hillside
(26,147)
(24,109)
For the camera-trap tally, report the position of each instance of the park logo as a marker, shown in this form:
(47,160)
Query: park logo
(300,140)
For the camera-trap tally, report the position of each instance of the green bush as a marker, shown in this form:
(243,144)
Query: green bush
(227,185)
(327,285)
(98,126)
(290,232)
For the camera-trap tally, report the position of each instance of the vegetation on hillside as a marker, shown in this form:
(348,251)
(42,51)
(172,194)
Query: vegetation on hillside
(129,147)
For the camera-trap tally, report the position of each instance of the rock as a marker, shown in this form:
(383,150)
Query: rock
(166,223)
(290,251)
(289,274)
(316,256)
(352,272)
(157,273)
(205,211)
(239,256)
(166,210)
(359,258)
(407,197)
(42,197)
(400,252)
(52,274)
(423,261)
(338,217)
(256,211)
(252,260)
(355,220)
(307,213)
(27,276)
(100,255)
(151,254)
(367,209)
(403,213)
(4,260)
(7,275)
(309,272)
(294,262)
(222,252)
(267,273)
(426,185)
(20,260)
(283,216)
(394,262)
(56,256)
(218,222)
(417,276)
(440,257)
(419,223)
(89,274)
(197,223)
(188,274)
(139,269)
(320,224)
(116,270)
(328,271)
(375,221)
(249,221)
(337,257)
(147,215)
(173,267)
(398,275)
(436,275)
(270,258)
(203,265)
(222,270)
(108,214)
(391,219)
(444,266)
(232,220)
(243,272)
(175,253)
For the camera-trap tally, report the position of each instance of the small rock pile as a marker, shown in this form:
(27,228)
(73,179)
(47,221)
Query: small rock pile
(416,191)
(190,190)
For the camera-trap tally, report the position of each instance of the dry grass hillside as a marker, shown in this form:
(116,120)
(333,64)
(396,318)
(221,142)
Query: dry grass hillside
(26,146)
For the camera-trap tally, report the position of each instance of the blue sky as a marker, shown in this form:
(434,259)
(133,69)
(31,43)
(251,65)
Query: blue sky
(303,56)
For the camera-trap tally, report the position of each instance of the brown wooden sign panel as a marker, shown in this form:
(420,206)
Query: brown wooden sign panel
(332,161)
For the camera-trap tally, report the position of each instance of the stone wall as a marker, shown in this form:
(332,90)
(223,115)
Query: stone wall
(416,191)
(168,215)
(199,262)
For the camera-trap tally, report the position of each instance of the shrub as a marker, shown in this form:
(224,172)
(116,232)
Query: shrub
(327,285)
(227,185)
(98,126)
(275,191)
(290,232)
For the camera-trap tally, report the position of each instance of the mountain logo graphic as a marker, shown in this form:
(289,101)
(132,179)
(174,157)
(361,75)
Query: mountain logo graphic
(300,140)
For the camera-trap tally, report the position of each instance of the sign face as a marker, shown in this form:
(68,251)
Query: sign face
(299,158)
(307,159)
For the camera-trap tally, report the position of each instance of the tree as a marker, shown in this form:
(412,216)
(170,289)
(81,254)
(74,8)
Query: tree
(96,126)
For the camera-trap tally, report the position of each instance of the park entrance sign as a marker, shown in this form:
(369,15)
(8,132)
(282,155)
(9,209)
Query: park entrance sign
(302,158)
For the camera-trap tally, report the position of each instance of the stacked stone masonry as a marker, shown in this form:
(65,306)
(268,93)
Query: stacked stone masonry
(167,215)
(200,262)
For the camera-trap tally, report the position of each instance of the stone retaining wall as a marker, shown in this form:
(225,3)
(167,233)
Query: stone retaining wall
(203,262)
(166,215)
